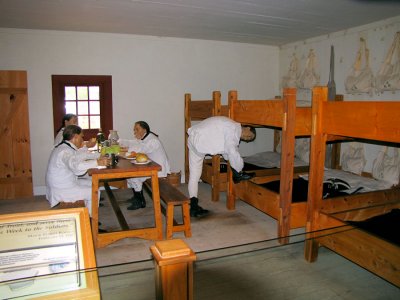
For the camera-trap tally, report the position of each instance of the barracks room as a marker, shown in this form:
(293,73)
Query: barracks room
(200,149)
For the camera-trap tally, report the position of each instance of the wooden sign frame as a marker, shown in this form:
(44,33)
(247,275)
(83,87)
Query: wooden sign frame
(48,255)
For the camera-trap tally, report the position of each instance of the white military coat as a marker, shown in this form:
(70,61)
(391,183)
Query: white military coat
(215,135)
(218,135)
(64,167)
(59,137)
(152,146)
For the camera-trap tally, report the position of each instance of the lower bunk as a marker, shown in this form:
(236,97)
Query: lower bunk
(263,164)
(263,193)
(364,229)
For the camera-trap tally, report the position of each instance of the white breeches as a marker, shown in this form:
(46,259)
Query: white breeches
(136,183)
(195,169)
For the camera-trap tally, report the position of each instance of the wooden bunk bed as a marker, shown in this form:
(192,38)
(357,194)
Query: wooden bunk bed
(293,121)
(328,222)
(215,169)
(198,110)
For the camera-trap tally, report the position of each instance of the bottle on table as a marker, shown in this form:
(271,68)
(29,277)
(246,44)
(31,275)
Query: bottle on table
(100,139)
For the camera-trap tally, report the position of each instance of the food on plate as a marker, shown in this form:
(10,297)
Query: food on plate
(123,149)
(141,157)
(131,154)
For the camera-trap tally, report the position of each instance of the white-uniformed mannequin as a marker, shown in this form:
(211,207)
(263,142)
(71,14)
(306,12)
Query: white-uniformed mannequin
(145,142)
(71,119)
(215,135)
(65,166)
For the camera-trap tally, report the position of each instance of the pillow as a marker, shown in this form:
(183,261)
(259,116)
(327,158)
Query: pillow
(278,147)
(353,157)
(302,149)
(386,166)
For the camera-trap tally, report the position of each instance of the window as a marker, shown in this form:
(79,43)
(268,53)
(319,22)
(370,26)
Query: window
(88,97)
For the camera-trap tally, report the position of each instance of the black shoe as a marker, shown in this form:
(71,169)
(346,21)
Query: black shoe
(199,212)
(241,176)
(196,210)
(137,201)
(102,230)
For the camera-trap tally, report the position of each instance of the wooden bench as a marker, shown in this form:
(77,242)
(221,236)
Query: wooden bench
(76,204)
(172,197)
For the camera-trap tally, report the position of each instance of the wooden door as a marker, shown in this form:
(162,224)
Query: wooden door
(15,154)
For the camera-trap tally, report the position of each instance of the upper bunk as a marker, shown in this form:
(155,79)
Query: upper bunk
(275,113)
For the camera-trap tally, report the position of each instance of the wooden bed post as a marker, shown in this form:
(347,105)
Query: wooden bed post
(230,195)
(188,98)
(335,154)
(317,159)
(287,163)
(216,159)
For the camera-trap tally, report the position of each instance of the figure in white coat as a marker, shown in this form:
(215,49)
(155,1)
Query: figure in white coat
(215,135)
(71,119)
(146,142)
(66,166)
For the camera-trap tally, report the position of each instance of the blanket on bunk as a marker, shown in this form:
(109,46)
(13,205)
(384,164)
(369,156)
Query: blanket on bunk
(336,183)
(332,187)
(385,226)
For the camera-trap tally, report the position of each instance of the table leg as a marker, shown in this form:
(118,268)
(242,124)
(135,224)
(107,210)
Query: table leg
(157,205)
(95,209)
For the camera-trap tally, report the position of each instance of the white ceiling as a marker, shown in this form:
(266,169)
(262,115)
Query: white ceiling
(269,22)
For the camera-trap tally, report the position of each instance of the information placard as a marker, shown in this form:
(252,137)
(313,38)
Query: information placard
(47,253)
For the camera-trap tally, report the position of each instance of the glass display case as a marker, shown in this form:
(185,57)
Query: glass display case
(260,270)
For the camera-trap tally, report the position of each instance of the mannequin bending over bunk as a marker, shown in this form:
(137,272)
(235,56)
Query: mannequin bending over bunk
(215,135)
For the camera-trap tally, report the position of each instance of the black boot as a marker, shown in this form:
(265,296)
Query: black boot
(99,230)
(196,210)
(240,176)
(137,201)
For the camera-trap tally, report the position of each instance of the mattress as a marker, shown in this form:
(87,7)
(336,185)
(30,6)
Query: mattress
(269,159)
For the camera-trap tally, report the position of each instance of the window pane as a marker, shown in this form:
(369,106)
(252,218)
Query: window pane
(95,122)
(82,93)
(70,107)
(94,93)
(70,93)
(83,122)
(94,107)
(83,107)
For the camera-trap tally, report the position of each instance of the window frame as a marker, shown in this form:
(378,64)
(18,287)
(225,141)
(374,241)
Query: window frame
(106,113)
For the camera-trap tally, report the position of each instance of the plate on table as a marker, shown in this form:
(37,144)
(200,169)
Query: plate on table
(141,163)
(128,157)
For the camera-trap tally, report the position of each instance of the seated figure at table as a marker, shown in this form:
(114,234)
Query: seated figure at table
(147,142)
(67,167)
(71,119)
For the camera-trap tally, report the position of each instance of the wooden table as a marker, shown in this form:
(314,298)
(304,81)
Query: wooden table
(125,169)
